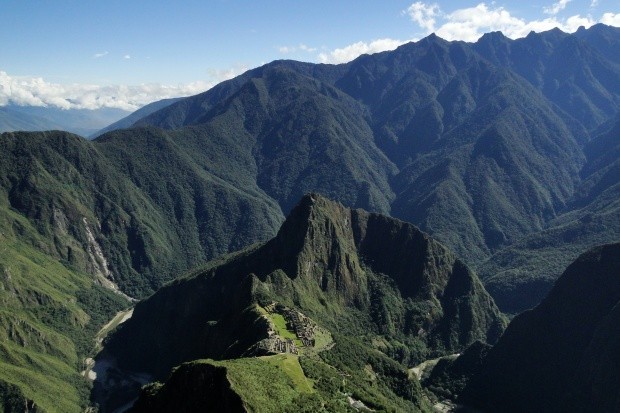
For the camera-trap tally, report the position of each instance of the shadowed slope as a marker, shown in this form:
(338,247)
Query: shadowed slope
(560,355)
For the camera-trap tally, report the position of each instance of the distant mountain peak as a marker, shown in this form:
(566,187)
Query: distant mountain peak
(494,37)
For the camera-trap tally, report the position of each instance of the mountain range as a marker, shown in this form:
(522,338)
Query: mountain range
(481,145)
(505,151)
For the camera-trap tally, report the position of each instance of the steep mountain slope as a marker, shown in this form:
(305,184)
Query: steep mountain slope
(569,71)
(50,311)
(520,275)
(496,127)
(562,355)
(132,118)
(603,38)
(303,135)
(506,169)
(357,274)
(114,215)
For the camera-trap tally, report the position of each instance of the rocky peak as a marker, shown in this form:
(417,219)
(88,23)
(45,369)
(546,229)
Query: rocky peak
(333,245)
(317,243)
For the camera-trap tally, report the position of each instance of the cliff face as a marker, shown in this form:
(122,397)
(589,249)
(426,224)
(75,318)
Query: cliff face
(562,355)
(350,271)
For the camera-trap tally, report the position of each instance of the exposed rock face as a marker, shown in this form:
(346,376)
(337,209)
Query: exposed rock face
(562,355)
(350,271)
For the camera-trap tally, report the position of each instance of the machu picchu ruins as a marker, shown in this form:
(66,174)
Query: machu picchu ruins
(296,323)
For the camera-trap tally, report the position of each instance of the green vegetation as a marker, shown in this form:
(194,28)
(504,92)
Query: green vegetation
(289,364)
(520,275)
(278,384)
(280,324)
(106,197)
(382,313)
(265,384)
(369,376)
(496,148)
(49,314)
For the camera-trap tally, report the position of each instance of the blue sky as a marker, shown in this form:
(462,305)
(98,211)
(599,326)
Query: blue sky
(89,53)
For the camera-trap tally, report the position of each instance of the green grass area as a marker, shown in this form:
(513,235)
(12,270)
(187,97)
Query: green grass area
(267,384)
(52,394)
(289,365)
(280,323)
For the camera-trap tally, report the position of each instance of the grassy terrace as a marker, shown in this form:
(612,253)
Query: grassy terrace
(282,331)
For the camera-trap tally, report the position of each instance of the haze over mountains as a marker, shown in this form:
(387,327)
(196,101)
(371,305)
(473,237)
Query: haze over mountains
(505,151)
(83,122)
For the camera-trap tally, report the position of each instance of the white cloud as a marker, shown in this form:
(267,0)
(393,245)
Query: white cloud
(98,55)
(127,57)
(307,48)
(424,14)
(220,75)
(556,7)
(593,3)
(292,49)
(35,91)
(350,52)
(574,22)
(611,19)
(470,23)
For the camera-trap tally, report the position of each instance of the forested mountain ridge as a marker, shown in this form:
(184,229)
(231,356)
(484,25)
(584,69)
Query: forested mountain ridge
(335,266)
(148,226)
(462,139)
(488,142)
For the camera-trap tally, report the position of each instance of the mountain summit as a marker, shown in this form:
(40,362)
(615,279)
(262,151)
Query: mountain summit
(353,273)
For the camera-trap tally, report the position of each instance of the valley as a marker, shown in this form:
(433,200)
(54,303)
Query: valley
(412,230)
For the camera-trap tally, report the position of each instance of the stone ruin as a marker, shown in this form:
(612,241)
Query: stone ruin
(304,328)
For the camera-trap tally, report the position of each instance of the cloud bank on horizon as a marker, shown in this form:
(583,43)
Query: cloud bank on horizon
(35,91)
(466,24)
